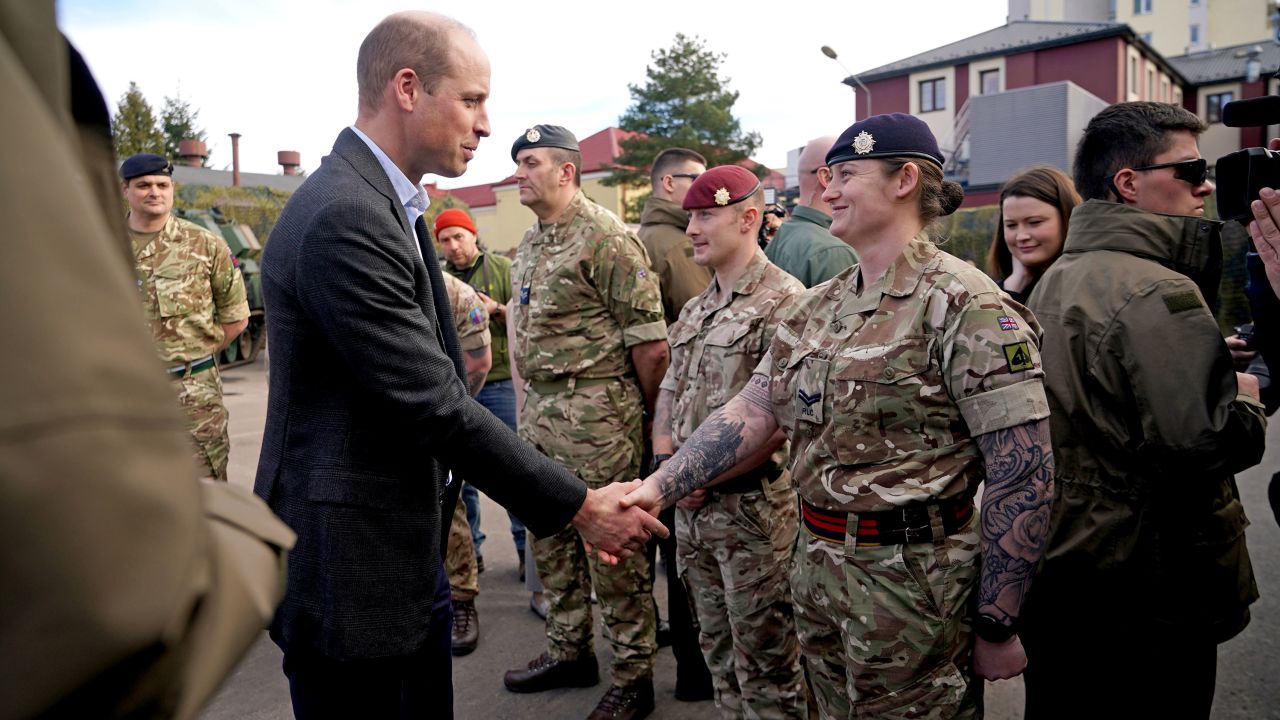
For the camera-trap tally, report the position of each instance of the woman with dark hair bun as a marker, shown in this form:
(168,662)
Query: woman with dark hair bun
(902,384)
(1035,210)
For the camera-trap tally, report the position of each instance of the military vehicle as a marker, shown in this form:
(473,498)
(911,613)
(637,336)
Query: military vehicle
(247,251)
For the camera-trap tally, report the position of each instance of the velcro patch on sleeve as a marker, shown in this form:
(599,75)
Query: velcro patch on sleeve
(1018,356)
(1181,301)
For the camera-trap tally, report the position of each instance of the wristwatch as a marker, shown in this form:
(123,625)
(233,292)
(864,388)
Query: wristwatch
(657,461)
(992,630)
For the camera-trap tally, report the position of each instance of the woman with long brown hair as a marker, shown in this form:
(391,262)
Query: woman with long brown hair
(1035,209)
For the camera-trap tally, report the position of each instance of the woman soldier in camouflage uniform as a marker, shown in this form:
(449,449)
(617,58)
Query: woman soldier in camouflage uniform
(902,384)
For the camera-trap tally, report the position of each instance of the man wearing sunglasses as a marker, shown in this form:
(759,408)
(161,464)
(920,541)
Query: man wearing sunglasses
(1146,569)
(662,224)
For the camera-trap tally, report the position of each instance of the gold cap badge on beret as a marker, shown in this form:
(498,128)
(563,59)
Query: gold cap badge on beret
(722,196)
(533,135)
(863,143)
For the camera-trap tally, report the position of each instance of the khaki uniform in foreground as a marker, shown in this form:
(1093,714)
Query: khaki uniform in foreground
(583,296)
(734,550)
(190,287)
(472,322)
(129,587)
(882,390)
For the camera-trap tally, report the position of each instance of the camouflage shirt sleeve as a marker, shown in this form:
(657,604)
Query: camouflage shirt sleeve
(227,283)
(991,363)
(679,354)
(629,289)
(469,315)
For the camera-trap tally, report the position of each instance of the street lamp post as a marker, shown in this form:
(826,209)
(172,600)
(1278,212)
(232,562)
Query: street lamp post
(829,52)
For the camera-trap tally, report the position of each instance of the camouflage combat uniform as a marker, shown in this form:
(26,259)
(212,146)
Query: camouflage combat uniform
(734,550)
(472,322)
(882,390)
(191,286)
(583,297)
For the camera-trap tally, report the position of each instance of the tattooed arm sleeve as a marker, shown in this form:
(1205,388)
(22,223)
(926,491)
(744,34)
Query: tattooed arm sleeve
(1015,514)
(662,430)
(734,433)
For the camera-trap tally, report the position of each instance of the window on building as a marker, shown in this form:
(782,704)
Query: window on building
(933,94)
(1146,37)
(1132,80)
(1141,7)
(1151,84)
(1213,106)
(989,82)
(1177,96)
(1164,89)
(1195,3)
(1195,34)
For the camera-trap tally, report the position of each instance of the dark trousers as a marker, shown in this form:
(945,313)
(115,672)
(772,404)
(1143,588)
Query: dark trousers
(1116,670)
(402,688)
(690,664)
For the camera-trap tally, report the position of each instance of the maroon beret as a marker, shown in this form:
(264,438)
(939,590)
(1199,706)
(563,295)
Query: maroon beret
(720,186)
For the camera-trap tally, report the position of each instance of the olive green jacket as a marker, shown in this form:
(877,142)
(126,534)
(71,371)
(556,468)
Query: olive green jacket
(1148,426)
(491,275)
(129,587)
(662,225)
(805,247)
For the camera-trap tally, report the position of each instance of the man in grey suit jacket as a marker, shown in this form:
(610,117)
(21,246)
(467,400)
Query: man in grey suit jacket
(368,413)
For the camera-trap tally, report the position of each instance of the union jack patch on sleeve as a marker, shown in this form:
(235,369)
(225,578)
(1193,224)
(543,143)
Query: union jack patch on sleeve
(1007,323)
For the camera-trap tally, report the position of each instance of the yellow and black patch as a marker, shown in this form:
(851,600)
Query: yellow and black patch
(1181,301)
(1018,355)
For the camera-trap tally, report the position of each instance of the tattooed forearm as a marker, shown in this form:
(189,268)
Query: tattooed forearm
(1015,513)
(710,451)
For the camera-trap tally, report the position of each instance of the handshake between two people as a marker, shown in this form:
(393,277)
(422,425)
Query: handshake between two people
(618,520)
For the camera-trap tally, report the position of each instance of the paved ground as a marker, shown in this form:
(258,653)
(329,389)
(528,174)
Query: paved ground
(511,635)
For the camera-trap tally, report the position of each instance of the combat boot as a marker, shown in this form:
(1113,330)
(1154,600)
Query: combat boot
(546,673)
(466,626)
(627,702)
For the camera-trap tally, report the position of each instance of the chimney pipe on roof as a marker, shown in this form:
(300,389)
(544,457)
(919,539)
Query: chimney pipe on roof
(235,159)
(192,152)
(289,160)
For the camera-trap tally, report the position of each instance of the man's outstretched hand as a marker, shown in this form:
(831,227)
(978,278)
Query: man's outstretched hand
(610,528)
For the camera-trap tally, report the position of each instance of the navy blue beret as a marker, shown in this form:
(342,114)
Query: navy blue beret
(545,136)
(721,185)
(145,164)
(884,136)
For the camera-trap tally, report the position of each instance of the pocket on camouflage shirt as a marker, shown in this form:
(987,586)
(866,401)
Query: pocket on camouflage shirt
(888,401)
(181,292)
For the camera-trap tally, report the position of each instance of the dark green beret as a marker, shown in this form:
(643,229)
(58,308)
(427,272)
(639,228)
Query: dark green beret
(545,136)
(145,164)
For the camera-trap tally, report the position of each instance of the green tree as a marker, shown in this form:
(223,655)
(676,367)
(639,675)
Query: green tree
(178,122)
(134,128)
(684,102)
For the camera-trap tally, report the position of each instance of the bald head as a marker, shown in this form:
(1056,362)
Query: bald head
(421,41)
(813,156)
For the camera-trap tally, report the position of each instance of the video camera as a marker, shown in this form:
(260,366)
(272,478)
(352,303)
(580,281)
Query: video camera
(1242,174)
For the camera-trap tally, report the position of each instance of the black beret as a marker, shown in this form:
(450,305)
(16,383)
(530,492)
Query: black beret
(883,136)
(145,164)
(721,186)
(545,136)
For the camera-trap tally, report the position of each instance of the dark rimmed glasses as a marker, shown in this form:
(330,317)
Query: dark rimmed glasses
(1194,172)
(691,176)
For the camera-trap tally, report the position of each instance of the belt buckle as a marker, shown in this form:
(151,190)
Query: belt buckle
(917,534)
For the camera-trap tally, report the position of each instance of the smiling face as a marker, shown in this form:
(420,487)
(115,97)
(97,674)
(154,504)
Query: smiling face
(447,123)
(1032,231)
(149,196)
(860,197)
(716,234)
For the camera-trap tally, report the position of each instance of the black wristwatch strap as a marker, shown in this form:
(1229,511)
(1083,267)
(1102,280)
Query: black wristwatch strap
(657,461)
(992,630)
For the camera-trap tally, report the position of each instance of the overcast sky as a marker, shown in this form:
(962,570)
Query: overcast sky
(282,72)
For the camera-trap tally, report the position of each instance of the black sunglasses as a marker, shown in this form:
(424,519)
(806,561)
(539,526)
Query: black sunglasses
(1188,171)
(691,176)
